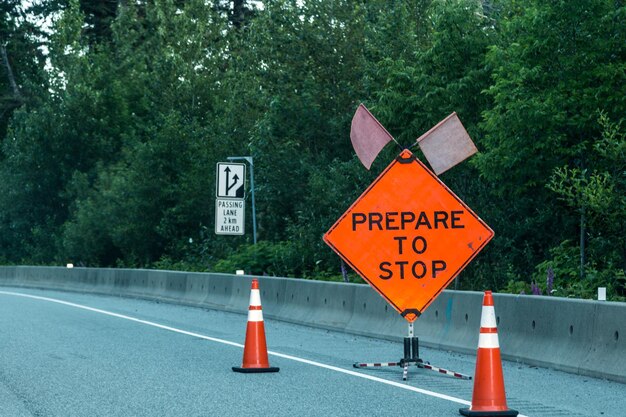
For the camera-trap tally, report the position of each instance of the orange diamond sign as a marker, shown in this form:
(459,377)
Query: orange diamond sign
(408,235)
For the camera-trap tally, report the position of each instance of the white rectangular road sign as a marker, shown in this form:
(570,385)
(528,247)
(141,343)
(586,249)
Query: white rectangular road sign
(230,216)
(231,179)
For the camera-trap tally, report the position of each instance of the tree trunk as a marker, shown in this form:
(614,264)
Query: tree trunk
(238,13)
(5,59)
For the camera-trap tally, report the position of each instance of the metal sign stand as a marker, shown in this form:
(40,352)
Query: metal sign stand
(411,356)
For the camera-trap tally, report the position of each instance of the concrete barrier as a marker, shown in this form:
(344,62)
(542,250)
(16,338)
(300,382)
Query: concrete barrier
(579,336)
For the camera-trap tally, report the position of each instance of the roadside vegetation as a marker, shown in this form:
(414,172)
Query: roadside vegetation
(114,114)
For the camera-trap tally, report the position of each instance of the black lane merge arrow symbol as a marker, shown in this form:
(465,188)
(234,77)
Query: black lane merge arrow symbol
(235,180)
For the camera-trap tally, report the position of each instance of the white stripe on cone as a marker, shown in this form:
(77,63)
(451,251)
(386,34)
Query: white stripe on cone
(488,317)
(488,340)
(255,315)
(255,298)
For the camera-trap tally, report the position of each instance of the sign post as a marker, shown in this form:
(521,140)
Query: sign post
(408,236)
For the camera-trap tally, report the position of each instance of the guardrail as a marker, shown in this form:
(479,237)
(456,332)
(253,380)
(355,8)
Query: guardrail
(579,336)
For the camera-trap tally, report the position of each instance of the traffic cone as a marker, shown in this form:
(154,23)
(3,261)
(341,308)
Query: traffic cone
(255,350)
(488,398)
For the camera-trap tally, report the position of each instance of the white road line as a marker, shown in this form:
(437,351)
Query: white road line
(227,342)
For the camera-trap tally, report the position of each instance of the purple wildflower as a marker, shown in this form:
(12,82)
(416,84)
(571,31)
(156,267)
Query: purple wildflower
(344,272)
(549,280)
(534,288)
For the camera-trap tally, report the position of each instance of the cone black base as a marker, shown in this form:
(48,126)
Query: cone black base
(470,413)
(256,370)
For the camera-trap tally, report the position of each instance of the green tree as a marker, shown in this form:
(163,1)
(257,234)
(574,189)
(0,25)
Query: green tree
(306,67)
(42,145)
(22,77)
(597,194)
(143,205)
(555,66)
(444,72)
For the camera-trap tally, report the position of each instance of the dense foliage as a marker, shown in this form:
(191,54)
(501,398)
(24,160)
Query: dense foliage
(113,115)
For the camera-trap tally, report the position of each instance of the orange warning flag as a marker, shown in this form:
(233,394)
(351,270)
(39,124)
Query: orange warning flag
(368,136)
(446,144)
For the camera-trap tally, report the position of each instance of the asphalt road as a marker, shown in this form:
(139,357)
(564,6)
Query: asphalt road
(67,354)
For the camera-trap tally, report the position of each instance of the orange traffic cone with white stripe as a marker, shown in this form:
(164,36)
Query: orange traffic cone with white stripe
(489,398)
(255,350)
